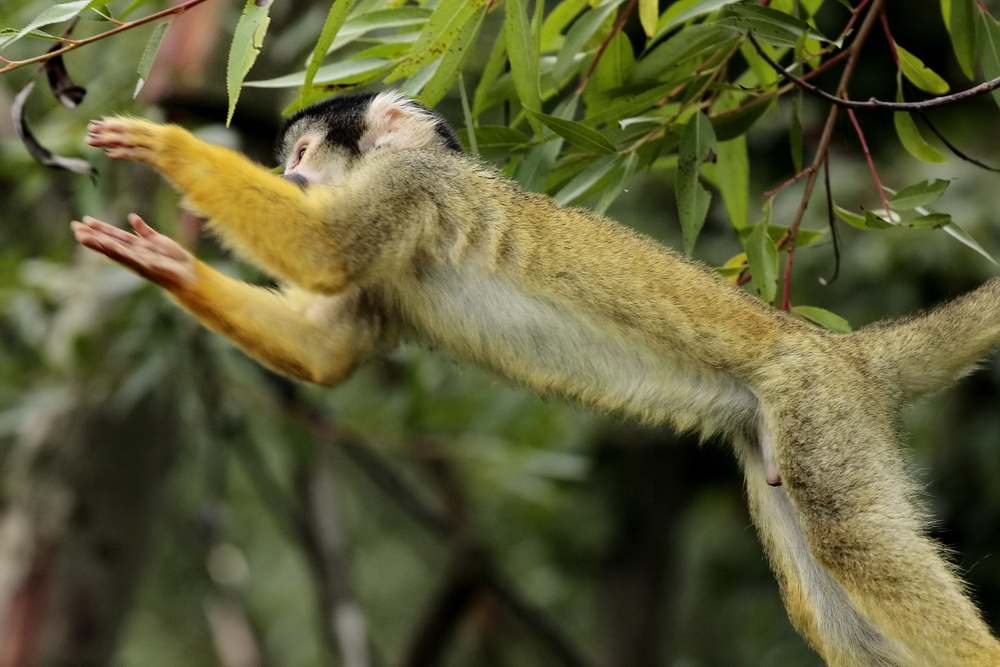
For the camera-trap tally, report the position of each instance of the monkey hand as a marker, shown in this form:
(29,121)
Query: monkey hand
(152,255)
(129,138)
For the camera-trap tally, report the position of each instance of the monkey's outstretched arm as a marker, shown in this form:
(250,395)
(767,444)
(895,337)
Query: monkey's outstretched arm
(260,321)
(282,226)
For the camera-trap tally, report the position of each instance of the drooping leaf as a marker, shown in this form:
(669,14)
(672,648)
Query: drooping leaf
(919,194)
(824,318)
(379,19)
(928,221)
(963,236)
(962,27)
(910,136)
(627,105)
(522,51)
(247,42)
(731,171)
(149,56)
(557,20)
(731,125)
(494,68)
(534,169)
(649,13)
(762,258)
(919,74)
(616,65)
(988,37)
(695,41)
(697,144)
(54,14)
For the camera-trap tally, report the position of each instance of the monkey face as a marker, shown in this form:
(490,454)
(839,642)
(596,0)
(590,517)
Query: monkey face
(313,160)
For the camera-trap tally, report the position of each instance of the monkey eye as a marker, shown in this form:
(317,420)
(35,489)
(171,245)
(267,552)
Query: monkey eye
(300,151)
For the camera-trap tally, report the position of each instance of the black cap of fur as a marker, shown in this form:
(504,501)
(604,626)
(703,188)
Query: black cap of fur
(345,115)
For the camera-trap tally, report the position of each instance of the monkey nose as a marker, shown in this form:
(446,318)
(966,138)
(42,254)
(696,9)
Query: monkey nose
(298,179)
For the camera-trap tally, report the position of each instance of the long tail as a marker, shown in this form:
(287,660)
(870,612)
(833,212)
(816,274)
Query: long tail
(930,351)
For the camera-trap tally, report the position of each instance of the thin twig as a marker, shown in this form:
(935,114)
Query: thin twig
(604,45)
(871,162)
(179,9)
(875,104)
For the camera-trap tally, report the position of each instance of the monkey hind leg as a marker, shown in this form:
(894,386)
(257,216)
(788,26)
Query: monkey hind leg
(817,605)
(847,538)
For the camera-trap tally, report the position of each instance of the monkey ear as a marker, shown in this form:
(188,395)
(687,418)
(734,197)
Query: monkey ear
(396,123)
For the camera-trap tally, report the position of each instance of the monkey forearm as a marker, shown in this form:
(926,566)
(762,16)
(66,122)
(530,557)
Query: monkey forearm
(260,322)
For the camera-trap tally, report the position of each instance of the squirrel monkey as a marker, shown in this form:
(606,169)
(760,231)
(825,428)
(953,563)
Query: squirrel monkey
(382,228)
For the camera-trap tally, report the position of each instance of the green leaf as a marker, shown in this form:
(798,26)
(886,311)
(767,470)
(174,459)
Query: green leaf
(766,24)
(149,55)
(928,221)
(824,318)
(534,169)
(988,36)
(577,133)
(868,222)
(576,39)
(963,236)
(624,168)
(55,14)
(453,61)
(334,21)
(762,258)
(247,42)
(685,10)
(345,72)
(628,105)
(438,35)
(649,13)
(910,136)
(697,144)
(919,74)
(690,43)
(494,68)
(919,194)
(963,34)
(522,51)
(585,180)
(380,19)
(731,171)
(616,65)
(556,21)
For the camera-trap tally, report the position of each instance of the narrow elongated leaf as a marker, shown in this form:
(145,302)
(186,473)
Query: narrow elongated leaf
(439,33)
(453,61)
(690,43)
(624,168)
(345,72)
(697,144)
(628,105)
(729,126)
(379,19)
(577,134)
(928,221)
(247,42)
(762,258)
(334,22)
(576,39)
(824,318)
(963,236)
(766,24)
(585,180)
(534,169)
(649,13)
(731,171)
(494,68)
(910,136)
(919,194)
(963,34)
(866,222)
(685,10)
(556,21)
(149,55)
(522,51)
(988,37)
(616,65)
(919,74)
(54,14)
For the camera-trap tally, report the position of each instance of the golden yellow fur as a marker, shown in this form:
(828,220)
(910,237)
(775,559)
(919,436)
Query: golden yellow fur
(410,239)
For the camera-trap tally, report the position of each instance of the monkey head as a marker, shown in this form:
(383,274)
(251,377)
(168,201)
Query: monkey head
(320,143)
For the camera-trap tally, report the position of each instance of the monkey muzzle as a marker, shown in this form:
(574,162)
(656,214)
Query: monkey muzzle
(298,179)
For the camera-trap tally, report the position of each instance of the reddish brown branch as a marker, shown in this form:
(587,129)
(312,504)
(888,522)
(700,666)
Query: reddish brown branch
(604,45)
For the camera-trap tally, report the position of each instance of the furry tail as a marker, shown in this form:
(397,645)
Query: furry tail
(928,352)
